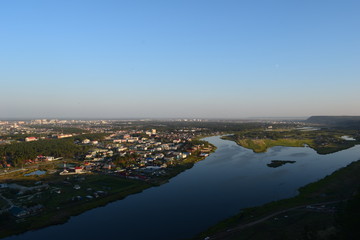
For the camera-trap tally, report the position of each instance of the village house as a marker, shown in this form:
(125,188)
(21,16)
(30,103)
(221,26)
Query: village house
(31,139)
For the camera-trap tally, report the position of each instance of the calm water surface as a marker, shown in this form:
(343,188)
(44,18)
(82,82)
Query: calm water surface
(218,187)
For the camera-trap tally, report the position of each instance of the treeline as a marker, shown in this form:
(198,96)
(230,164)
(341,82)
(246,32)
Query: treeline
(17,153)
(324,134)
(21,137)
(125,161)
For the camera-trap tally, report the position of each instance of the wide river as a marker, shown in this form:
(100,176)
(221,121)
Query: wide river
(228,180)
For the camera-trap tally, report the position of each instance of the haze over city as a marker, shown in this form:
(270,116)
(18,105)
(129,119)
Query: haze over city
(206,59)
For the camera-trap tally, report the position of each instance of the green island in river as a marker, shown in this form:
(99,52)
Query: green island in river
(278,163)
(322,141)
(326,209)
(56,197)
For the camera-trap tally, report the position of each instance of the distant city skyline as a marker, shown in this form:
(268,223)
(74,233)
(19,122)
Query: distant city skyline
(179,59)
(159,119)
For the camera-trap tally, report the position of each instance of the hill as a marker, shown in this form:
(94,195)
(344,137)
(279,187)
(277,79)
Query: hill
(337,121)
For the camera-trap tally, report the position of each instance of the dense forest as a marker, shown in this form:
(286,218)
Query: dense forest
(17,153)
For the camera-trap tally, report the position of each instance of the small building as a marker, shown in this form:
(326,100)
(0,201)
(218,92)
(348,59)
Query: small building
(31,139)
(78,169)
(86,141)
(49,158)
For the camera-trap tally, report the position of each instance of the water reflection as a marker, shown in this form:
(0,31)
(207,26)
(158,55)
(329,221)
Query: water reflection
(229,179)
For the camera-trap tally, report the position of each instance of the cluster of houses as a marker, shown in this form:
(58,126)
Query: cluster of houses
(89,142)
(54,136)
(42,158)
(144,153)
(133,154)
(73,170)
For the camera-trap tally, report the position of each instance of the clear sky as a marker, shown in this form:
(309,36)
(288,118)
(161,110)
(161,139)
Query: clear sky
(179,58)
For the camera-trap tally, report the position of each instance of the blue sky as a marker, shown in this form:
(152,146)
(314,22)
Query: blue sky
(179,58)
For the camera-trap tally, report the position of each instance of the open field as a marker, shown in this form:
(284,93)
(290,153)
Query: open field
(261,145)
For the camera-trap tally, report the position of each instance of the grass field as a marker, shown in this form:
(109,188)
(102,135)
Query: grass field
(261,145)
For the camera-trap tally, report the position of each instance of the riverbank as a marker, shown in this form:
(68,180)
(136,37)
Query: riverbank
(187,163)
(314,211)
(322,141)
(60,206)
(69,196)
(205,193)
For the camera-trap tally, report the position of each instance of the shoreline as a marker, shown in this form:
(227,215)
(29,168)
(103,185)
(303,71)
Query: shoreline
(53,218)
(262,145)
(338,187)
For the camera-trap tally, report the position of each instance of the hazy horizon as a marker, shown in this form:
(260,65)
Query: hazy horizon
(285,118)
(155,119)
(179,59)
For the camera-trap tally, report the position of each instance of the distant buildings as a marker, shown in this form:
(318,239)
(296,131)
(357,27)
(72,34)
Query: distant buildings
(152,132)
